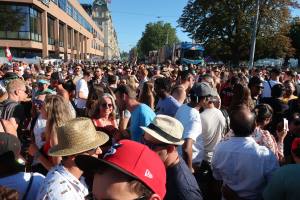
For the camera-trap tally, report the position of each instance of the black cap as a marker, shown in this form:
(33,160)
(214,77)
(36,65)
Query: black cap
(9,151)
(9,142)
(203,90)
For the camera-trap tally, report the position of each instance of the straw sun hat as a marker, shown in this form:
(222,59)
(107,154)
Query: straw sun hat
(77,136)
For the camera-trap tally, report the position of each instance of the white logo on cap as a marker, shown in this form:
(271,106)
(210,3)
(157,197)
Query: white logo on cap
(148,174)
(112,150)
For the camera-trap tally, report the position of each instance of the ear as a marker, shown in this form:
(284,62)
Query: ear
(171,148)
(155,197)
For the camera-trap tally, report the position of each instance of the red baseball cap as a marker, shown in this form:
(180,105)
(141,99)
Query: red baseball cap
(296,146)
(133,159)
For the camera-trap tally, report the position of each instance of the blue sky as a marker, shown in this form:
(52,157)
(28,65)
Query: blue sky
(131,16)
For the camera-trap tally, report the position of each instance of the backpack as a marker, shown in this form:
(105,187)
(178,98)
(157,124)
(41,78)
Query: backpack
(7,109)
(227,120)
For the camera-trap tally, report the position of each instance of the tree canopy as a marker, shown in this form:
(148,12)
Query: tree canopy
(295,35)
(225,27)
(155,36)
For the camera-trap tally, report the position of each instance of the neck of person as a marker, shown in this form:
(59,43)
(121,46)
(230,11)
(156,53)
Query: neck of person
(172,160)
(132,104)
(275,78)
(194,105)
(71,167)
(185,84)
(209,105)
(164,95)
(13,97)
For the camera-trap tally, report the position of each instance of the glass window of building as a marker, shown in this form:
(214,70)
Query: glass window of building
(20,22)
(69,38)
(62,4)
(61,35)
(50,31)
(69,9)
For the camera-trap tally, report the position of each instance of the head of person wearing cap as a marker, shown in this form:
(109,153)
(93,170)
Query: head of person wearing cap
(12,173)
(76,137)
(201,95)
(42,86)
(256,87)
(163,136)
(10,148)
(141,175)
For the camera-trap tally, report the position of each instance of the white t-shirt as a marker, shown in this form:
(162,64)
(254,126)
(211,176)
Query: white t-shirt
(267,89)
(38,130)
(20,182)
(213,127)
(191,121)
(81,86)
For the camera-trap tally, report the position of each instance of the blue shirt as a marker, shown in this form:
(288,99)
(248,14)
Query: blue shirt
(181,183)
(167,106)
(142,115)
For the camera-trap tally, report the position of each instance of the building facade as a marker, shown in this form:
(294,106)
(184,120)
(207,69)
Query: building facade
(101,15)
(49,29)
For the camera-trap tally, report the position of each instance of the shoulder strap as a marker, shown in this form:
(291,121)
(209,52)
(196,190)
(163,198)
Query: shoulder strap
(8,109)
(269,84)
(3,126)
(28,187)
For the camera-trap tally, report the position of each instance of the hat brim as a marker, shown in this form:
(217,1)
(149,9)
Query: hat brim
(58,150)
(91,164)
(159,137)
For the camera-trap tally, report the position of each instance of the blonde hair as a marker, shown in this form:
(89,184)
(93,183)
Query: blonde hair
(14,85)
(58,112)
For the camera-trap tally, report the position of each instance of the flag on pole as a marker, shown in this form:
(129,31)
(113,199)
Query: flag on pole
(8,54)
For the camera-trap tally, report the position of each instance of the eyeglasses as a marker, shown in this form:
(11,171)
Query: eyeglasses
(106,105)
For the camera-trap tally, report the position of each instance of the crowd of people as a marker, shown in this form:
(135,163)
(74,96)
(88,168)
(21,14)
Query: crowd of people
(148,132)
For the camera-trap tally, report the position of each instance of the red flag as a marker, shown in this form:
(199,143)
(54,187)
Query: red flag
(8,54)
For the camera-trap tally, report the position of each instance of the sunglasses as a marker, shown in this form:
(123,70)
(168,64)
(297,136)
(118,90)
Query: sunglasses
(153,146)
(106,105)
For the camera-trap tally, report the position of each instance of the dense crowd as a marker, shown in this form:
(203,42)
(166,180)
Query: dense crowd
(123,131)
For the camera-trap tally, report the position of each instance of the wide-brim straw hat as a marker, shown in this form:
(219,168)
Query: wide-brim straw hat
(165,129)
(77,136)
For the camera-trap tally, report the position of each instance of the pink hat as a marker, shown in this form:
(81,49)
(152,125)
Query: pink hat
(133,159)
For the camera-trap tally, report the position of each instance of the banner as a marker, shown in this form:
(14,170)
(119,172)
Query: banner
(8,54)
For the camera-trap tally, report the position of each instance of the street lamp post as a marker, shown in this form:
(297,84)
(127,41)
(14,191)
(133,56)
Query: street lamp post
(253,36)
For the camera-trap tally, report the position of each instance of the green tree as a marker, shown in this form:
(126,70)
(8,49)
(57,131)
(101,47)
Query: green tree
(124,56)
(295,35)
(155,36)
(227,24)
